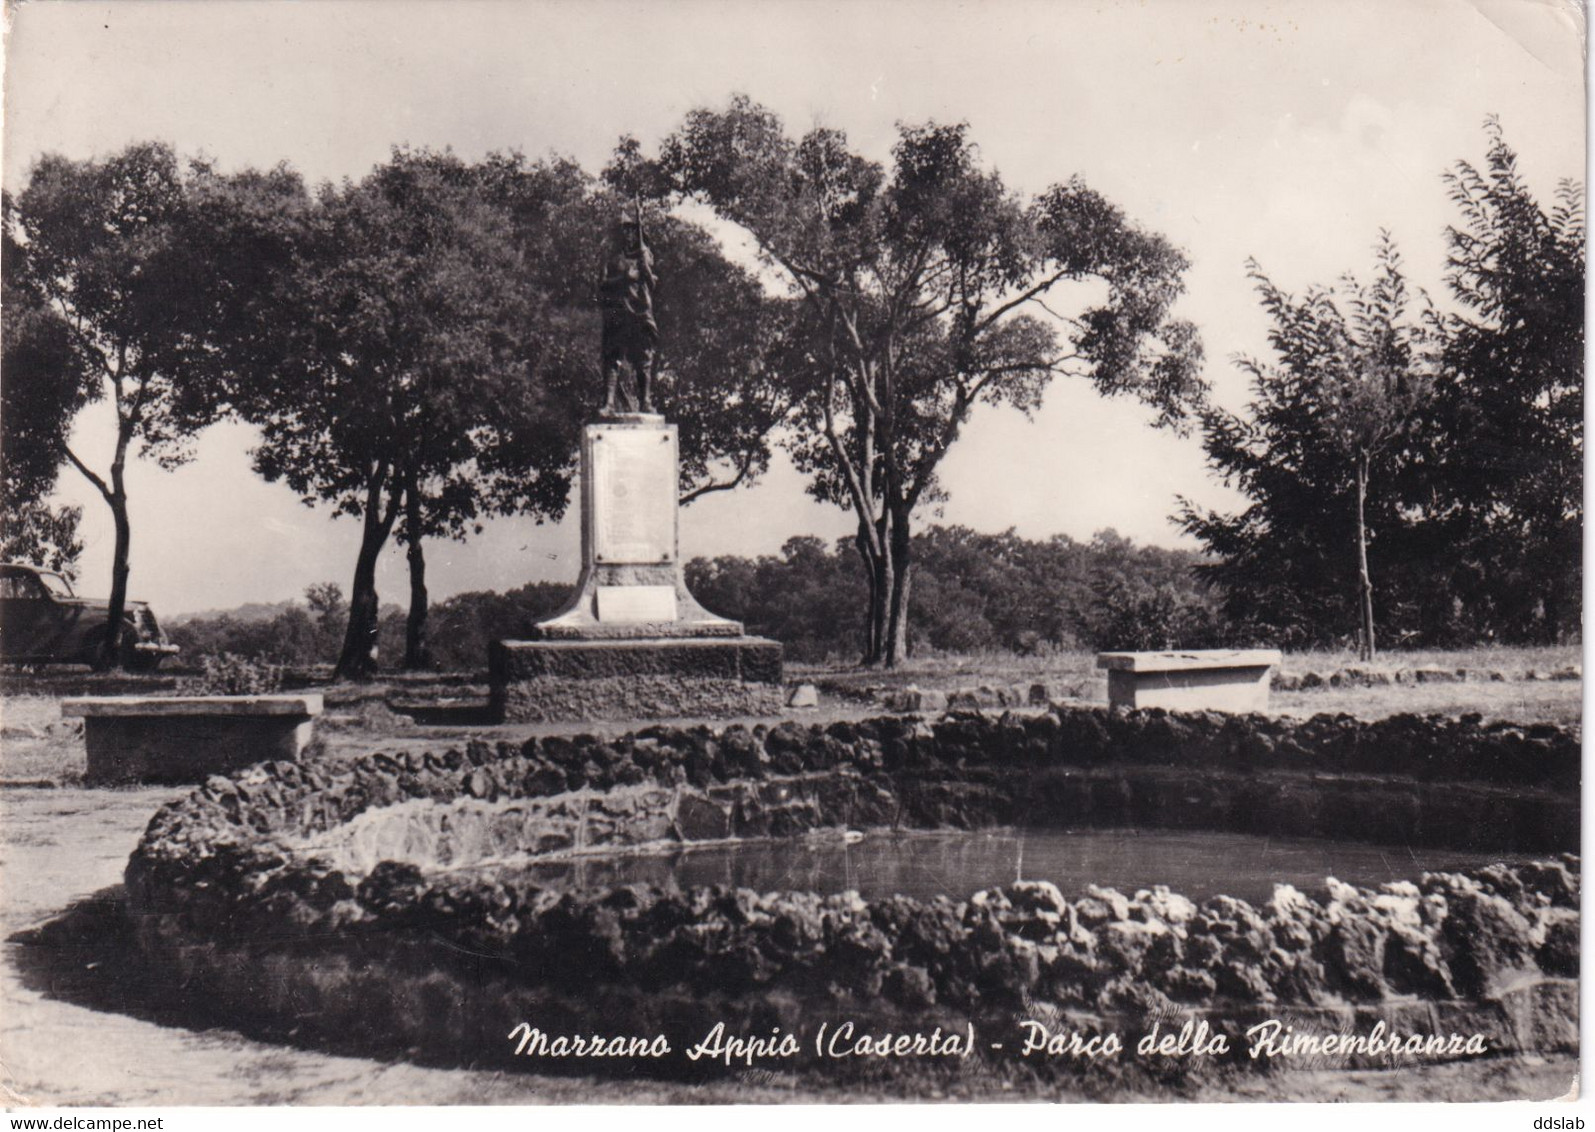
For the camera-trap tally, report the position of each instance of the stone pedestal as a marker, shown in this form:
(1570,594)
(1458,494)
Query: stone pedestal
(632,642)
(189,738)
(1195,680)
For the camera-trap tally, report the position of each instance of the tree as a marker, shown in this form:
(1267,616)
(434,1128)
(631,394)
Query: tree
(40,534)
(1350,376)
(405,372)
(37,403)
(511,454)
(922,293)
(1146,598)
(329,611)
(717,329)
(1506,471)
(807,598)
(975,592)
(433,341)
(111,277)
(326,603)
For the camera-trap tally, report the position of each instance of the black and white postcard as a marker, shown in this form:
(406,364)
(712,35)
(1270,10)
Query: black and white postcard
(791,553)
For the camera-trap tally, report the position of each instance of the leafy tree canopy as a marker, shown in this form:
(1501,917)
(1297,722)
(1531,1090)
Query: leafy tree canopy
(110,296)
(1338,403)
(921,292)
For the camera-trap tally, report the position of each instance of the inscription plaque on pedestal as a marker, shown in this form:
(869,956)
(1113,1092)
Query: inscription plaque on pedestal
(633,495)
(632,604)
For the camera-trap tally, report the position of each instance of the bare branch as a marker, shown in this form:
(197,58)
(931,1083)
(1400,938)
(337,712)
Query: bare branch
(88,473)
(743,467)
(1020,300)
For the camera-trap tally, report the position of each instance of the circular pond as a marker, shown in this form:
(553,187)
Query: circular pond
(922,864)
(1075,867)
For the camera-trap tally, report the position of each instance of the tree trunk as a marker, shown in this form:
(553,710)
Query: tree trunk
(111,652)
(416,654)
(901,577)
(358,659)
(1365,650)
(874,640)
(881,585)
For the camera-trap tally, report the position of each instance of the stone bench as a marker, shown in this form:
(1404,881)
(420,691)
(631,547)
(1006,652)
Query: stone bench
(175,739)
(1197,680)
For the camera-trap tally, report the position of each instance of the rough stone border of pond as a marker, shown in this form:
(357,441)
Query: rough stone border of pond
(224,896)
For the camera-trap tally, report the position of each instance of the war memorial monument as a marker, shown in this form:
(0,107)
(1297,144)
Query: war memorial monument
(632,642)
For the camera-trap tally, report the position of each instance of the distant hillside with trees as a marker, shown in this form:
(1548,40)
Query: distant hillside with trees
(976,593)
(973,593)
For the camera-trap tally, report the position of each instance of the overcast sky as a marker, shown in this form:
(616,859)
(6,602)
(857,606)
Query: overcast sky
(1288,132)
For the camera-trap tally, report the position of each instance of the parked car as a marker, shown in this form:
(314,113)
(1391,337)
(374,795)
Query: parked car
(43,622)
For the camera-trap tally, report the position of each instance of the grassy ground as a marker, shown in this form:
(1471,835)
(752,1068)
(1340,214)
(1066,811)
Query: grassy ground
(69,1037)
(1515,698)
(1559,702)
(36,744)
(957,671)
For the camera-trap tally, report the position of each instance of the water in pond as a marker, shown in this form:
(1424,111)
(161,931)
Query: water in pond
(1196,864)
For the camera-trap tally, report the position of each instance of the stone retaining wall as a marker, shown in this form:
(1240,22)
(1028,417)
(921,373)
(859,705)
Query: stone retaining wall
(272,892)
(1429,674)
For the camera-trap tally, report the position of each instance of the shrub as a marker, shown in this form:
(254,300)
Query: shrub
(229,675)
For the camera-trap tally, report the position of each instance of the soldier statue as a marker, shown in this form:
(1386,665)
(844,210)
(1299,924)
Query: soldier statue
(631,336)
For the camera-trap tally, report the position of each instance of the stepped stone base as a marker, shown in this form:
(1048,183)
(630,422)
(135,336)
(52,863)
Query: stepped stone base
(650,678)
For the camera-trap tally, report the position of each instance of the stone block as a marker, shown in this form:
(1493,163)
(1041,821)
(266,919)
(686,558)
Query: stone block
(701,819)
(1544,1014)
(804,696)
(631,586)
(915,699)
(536,681)
(636,604)
(177,739)
(752,659)
(1198,680)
